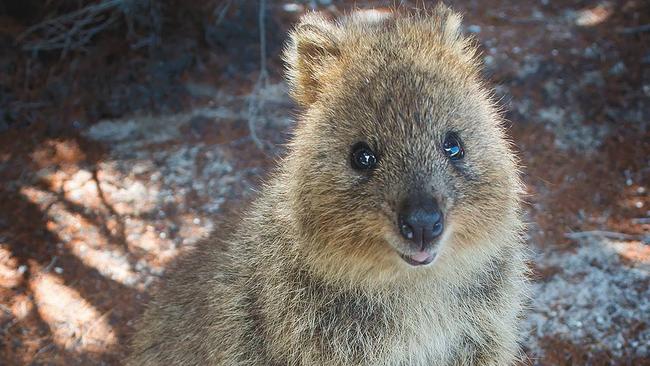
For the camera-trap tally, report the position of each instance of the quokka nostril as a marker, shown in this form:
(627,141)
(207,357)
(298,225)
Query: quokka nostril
(437,228)
(420,220)
(406,230)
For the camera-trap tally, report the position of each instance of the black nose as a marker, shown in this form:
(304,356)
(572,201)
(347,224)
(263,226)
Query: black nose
(420,220)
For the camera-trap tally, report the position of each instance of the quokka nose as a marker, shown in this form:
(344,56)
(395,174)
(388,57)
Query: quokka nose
(420,221)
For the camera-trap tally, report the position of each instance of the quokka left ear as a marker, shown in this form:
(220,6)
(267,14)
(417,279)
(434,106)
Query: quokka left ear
(370,17)
(313,45)
(451,26)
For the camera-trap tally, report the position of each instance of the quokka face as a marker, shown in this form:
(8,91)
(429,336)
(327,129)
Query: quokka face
(399,155)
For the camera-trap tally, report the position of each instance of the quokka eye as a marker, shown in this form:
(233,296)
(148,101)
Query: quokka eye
(363,158)
(453,146)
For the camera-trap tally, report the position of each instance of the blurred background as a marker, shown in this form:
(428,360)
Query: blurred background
(128,128)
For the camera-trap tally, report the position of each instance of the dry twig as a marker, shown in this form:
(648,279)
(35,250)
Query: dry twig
(71,31)
(633,30)
(256,101)
(602,233)
(221,11)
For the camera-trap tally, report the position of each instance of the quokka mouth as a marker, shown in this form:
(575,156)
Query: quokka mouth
(421,258)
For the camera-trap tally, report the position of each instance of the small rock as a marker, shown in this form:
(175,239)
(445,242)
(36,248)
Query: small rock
(474,28)
(488,60)
(140,265)
(292,7)
(618,69)
(58,270)
(592,51)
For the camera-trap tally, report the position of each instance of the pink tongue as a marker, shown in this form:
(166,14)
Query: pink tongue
(420,256)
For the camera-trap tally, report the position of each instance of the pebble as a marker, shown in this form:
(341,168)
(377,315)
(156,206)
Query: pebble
(474,28)
(592,51)
(618,69)
(292,7)
(488,60)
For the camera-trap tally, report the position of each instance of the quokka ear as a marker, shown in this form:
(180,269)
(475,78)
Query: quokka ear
(370,17)
(450,23)
(312,47)
(451,26)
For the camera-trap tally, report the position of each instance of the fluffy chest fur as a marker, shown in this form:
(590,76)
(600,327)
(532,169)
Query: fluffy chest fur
(306,321)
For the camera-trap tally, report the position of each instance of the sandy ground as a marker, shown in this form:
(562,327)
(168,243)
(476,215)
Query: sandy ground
(96,203)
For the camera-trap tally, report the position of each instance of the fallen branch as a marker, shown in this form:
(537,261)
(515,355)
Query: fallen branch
(633,30)
(605,234)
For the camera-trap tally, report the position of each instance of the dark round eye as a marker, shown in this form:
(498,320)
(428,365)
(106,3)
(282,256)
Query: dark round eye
(453,147)
(363,158)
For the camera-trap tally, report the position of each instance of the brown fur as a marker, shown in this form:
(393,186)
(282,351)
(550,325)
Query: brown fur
(311,276)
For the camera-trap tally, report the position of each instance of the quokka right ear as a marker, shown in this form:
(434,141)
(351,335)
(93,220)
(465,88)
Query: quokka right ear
(312,47)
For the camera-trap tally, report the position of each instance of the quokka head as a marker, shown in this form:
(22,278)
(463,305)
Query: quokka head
(399,155)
